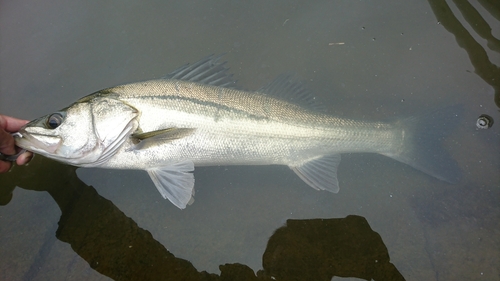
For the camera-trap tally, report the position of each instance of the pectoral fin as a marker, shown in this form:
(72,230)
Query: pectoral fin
(175,182)
(149,139)
(320,173)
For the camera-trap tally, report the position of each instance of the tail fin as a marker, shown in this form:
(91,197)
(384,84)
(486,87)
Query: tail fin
(422,149)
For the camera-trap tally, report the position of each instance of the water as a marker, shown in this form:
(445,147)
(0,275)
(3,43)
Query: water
(53,53)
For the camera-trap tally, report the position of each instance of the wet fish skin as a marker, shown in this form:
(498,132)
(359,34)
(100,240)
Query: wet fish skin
(233,127)
(194,117)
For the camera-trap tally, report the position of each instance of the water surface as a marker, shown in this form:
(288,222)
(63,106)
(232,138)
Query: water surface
(364,59)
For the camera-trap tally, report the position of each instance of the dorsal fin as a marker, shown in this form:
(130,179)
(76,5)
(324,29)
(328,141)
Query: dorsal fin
(208,70)
(288,88)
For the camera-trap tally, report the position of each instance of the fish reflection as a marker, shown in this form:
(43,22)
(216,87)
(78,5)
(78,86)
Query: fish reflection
(483,67)
(115,246)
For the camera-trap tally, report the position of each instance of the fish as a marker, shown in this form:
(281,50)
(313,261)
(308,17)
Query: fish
(197,116)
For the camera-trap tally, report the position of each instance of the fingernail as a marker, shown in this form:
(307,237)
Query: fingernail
(25,158)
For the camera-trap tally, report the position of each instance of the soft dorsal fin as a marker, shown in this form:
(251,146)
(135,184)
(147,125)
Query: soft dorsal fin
(320,173)
(208,70)
(287,88)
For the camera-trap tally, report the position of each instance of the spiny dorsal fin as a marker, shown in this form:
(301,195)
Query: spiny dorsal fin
(287,88)
(208,70)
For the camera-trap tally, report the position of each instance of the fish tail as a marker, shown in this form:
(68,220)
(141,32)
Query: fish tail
(422,148)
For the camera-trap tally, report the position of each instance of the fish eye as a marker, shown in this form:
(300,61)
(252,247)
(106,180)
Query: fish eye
(54,120)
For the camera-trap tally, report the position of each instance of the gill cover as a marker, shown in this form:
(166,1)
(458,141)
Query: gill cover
(86,134)
(112,121)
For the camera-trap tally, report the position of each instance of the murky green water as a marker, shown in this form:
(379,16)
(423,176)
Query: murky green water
(364,59)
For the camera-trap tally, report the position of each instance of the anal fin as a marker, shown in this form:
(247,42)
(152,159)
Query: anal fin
(320,173)
(175,182)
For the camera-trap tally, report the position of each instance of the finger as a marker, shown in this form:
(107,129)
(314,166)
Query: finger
(7,143)
(24,158)
(4,166)
(11,124)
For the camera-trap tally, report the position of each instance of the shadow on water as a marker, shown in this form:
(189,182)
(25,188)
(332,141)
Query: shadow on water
(115,246)
(487,70)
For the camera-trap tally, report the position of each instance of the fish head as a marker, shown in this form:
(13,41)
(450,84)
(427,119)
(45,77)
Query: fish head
(87,133)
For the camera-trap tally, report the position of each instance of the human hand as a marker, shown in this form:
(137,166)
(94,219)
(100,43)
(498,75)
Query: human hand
(7,144)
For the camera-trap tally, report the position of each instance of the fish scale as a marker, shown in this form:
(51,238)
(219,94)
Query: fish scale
(196,117)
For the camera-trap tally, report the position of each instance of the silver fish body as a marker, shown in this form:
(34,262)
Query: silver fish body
(233,127)
(194,117)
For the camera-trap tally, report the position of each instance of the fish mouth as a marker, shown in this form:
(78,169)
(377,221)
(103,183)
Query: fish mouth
(38,142)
